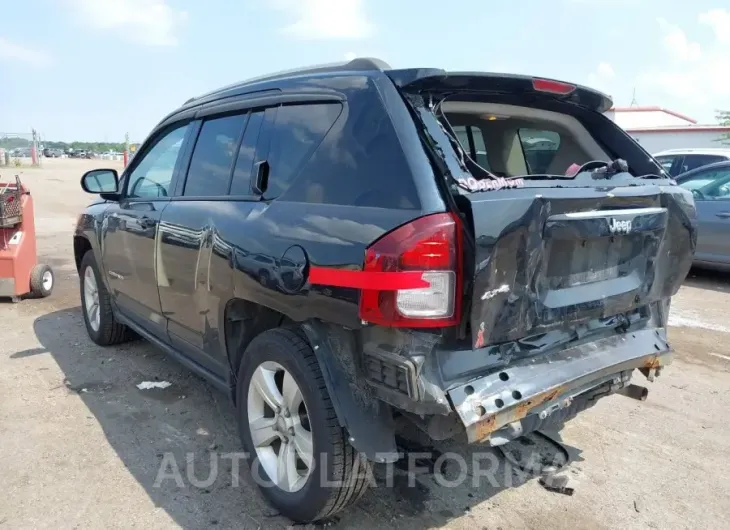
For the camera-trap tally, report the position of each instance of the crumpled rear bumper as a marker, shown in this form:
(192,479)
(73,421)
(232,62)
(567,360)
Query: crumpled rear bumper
(539,384)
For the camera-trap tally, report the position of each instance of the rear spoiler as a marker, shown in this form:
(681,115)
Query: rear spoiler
(441,82)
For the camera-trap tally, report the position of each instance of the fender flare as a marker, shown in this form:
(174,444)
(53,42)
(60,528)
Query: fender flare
(369,424)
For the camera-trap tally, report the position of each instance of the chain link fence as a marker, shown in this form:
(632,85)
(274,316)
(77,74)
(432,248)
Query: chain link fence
(20,149)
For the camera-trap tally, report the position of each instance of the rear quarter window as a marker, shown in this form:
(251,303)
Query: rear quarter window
(360,162)
(295,134)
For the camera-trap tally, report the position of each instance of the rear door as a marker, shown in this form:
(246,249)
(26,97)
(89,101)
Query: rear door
(130,235)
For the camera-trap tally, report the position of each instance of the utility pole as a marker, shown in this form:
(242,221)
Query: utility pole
(126,149)
(34,149)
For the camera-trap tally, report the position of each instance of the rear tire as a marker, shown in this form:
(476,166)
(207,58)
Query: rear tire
(339,475)
(99,318)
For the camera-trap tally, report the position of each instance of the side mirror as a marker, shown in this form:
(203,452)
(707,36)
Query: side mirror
(100,181)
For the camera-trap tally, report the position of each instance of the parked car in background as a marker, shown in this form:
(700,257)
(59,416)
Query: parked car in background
(678,161)
(52,153)
(710,186)
(321,247)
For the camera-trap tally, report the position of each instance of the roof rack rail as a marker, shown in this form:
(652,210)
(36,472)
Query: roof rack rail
(359,63)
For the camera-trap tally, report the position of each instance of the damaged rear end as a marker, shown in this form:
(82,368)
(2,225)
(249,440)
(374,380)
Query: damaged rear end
(567,274)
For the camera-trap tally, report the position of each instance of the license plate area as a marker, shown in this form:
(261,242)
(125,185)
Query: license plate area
(600,257)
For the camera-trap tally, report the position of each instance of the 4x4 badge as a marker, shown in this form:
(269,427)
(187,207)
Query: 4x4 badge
(619,227)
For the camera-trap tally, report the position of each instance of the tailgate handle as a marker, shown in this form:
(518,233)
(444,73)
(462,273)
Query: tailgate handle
(723,215)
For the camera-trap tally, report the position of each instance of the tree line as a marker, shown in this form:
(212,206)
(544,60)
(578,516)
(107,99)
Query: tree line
(97,147)
(723,118)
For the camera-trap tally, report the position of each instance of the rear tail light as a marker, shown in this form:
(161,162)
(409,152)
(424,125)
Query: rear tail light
(431,246)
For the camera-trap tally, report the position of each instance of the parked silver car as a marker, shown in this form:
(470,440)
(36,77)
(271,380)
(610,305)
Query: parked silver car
(710,186)
(679,161)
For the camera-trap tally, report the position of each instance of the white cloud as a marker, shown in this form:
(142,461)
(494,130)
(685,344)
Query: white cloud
(719,21)
(606,70)
(602,78)
(696,74)
(151,22)
(349,56)
(675,42)
(12,51)
(325,19)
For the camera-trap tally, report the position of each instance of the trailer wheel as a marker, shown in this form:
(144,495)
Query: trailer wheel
(41,281)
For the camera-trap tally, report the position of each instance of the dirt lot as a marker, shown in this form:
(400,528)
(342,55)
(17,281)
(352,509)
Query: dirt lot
(81,446)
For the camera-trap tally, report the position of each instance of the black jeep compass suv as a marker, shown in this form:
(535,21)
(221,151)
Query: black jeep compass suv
(480,254)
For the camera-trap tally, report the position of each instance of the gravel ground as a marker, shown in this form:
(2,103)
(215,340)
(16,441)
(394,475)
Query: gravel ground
(81,446)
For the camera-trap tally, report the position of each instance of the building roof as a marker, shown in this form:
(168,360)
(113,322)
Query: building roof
(680,128)
(654,109)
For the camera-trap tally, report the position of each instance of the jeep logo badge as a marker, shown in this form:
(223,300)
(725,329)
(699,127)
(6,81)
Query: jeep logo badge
(619,227)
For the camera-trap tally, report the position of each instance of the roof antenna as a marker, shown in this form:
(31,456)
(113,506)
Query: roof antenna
(634,103)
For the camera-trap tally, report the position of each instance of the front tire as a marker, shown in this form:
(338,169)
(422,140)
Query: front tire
(101,324)
(299,454)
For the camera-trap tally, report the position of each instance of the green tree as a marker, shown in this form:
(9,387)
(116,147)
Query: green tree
(723,118)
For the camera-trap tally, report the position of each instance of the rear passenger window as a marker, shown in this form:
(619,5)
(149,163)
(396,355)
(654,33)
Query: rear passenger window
(540,148)
(472,141)
(212,160)
(294,136)
(241,184)
(694,161)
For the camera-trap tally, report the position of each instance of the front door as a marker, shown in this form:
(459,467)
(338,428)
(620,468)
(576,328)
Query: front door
(129,250)
(711,190)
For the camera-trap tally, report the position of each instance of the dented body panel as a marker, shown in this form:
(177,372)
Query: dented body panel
(566,281)
(554,260)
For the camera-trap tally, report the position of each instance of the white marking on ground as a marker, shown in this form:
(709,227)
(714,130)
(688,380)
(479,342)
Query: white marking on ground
(690,318)
(148,385)
(720,355)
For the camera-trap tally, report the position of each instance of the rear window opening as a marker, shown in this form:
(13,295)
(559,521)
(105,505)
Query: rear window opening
(511,141)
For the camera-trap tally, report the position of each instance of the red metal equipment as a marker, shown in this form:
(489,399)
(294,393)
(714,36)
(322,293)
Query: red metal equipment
(20,272)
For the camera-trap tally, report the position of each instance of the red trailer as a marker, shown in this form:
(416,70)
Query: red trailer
(20,272)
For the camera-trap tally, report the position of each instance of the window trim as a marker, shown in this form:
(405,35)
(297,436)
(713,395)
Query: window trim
(147,146)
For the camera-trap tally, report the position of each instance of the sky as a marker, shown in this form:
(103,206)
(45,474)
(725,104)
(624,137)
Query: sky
(93,70)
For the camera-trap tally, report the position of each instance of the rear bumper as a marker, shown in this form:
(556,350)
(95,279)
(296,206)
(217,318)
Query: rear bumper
(544,383)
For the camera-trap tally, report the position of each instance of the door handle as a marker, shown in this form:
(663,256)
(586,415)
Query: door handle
(260,177)
(723,215)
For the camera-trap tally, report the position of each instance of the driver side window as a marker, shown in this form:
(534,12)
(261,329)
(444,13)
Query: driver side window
(152,175)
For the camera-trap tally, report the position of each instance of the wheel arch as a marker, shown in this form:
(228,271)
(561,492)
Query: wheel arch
(81,246)
(367,420)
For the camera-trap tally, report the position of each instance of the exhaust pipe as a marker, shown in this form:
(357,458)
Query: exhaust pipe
(635,392)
